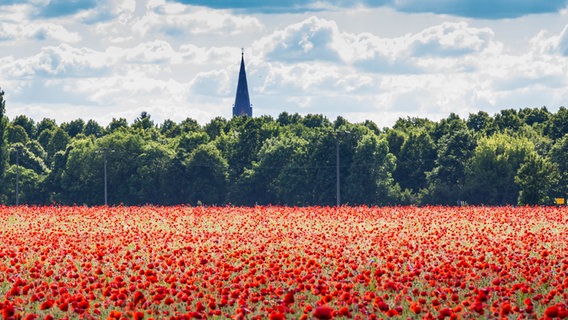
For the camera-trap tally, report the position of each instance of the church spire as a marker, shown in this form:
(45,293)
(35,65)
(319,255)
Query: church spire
(242,104)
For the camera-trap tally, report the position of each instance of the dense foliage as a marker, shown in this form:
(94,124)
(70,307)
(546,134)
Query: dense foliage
(3,143)
(272,262)
(513,157)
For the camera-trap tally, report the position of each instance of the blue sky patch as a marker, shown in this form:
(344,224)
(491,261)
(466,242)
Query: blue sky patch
(480,9)
(59,8)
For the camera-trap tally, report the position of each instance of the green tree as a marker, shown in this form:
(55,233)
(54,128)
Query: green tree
(206,176)
(542,143)
(124,152)
(45,137)
(82,176)
(189,125)
(480,122)
(149,184)
(395,139)
(534,116)
(215,127)
(58,142)
(557,127)
(251,136)
(536,177)
(170,129)
(28,180)
(451,124)
(285,119)
(416,157)
(410,124)
(190,141)
(315,121)
(340,122)
(24,176)
(73,128)
(559,157)
(143,122)
(321,174)
(27,158)
(116,124)
(92,128)
(26,123)
(45,124)
(490,177)
(372,126)
(322,163)
(16,134)
(370,179)
(37,150)
(446,180)
(290,186)
(507,119)
(182,146)
(3,144)
(264,182)
(53,183)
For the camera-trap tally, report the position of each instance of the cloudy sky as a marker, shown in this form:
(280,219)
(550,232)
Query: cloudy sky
(366,59)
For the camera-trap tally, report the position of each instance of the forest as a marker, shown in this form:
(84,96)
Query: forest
(514,157)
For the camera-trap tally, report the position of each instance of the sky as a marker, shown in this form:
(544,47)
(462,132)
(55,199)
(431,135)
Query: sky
(376,60)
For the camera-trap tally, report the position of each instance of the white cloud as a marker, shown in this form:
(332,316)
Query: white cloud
(528,71)
(23,24)
(556,44)
(316,39)
(60,61)
(212,83)
(174,19)
(49,30)
(311,39)
(223,56)
(156,51)
(449,39)
(9,31)
(37,31)
(16,13)
(562,45)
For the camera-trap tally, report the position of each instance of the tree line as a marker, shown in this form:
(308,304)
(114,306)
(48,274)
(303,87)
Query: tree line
(513,157)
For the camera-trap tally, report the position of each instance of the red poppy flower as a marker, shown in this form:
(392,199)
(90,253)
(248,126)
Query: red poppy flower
(288,298)
(46,304)
(276,316)
(323,312)
(552,311)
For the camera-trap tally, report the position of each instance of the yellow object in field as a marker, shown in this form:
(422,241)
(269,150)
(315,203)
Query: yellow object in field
(560,201)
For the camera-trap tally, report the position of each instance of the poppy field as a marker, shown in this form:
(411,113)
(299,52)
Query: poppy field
(283,263)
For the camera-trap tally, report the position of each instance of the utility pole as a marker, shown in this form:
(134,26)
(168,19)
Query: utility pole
(104,151)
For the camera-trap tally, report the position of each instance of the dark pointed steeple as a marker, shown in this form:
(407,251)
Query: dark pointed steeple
(242,104)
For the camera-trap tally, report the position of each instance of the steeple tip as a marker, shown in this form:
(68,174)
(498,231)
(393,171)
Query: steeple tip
(242,104)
